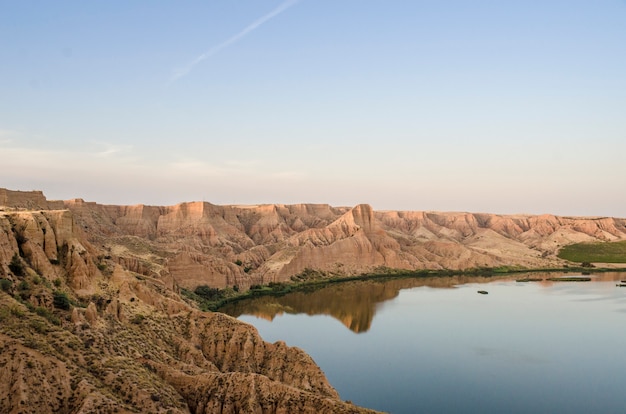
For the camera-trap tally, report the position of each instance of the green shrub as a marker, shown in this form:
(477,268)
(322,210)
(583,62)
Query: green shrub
(23,285)
(38,326)
(6,284)
(60,300)
(16,266)
(208,293)
(52,318)
(16,311)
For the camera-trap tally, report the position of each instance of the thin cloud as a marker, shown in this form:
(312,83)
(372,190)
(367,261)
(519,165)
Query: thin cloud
(197,168)
(35,159)
(227,168)
(112,149)
(215,49)
(6,136)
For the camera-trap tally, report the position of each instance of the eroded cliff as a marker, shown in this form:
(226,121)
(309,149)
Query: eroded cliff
(82,332)
(200,243)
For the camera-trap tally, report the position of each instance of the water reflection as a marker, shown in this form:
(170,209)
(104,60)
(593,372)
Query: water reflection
(526,347)
(354,303)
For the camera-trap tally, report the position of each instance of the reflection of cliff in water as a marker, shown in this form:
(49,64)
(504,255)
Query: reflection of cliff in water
(352,303)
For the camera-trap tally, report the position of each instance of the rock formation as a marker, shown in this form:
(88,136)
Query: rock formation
(80,332)
(201,243)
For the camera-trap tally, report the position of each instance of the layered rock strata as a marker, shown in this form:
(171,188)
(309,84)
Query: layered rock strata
(79,333)
(200,243)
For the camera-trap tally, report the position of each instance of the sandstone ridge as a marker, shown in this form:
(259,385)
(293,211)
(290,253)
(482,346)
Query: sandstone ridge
(199,243)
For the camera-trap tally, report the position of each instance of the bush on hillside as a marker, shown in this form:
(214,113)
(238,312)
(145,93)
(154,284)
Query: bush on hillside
(16,266)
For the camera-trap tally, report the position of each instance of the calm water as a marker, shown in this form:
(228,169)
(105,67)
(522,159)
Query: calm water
(437,346)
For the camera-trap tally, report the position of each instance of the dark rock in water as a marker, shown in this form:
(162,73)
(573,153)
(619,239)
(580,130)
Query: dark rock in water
(483,292)
(570,279)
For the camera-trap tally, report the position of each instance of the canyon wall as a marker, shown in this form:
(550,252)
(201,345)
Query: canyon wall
(200,243)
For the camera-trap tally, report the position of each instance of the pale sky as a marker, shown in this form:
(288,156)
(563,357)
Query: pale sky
(482,106)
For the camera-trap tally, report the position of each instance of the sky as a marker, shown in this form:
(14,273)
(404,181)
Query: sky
(454,105)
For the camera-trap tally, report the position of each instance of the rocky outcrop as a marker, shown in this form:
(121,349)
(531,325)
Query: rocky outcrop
(26,200)
(250,393)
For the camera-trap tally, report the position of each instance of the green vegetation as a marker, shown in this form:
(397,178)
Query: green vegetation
(209,293)
(212,299)
(6,285)
(208,298)
(52,318)
(16,266)
(23,285)
(601,252)
(60,300)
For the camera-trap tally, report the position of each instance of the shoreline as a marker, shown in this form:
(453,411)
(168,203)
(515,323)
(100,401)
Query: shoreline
(312,280)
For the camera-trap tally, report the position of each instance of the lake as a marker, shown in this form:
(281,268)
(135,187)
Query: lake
(435,345)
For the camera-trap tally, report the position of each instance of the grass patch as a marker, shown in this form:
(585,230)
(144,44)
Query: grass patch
(51,317)
(599,252)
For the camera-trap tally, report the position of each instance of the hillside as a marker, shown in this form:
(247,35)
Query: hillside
(81,333)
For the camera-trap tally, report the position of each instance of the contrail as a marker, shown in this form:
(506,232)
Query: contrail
(215,49)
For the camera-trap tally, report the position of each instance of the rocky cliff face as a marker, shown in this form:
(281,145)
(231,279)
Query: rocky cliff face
(200,243)
(87,325)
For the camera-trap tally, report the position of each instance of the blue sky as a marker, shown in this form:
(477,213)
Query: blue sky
(490,106)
